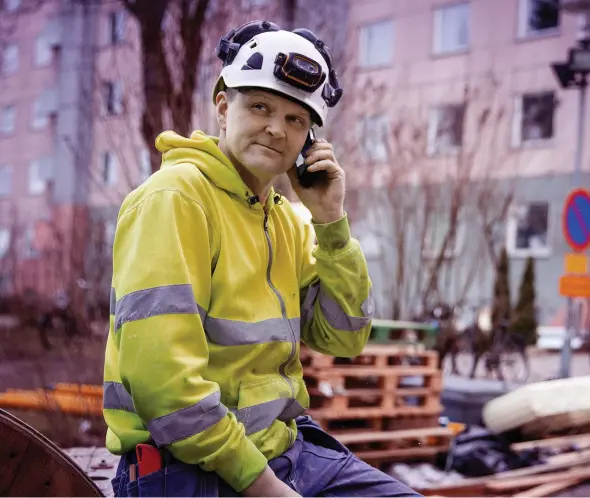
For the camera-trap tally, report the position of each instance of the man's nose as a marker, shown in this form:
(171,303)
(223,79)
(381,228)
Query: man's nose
(276,128)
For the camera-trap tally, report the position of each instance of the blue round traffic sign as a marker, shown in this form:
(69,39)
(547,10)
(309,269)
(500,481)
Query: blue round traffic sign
(576,219)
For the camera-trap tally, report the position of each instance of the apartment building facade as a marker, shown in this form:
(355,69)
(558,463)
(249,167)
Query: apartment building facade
(70,141)
(471,82)
(71,147)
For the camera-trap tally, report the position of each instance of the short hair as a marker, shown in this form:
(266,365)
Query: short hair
(232,93)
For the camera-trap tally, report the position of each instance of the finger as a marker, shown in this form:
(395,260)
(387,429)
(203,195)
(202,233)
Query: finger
(326,165)
(321,146)
(319,155)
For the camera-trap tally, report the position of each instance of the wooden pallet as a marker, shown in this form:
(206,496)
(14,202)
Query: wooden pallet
(349,425)
(388,379)
(373,355)
(364,402)
(371,391)
(385,447)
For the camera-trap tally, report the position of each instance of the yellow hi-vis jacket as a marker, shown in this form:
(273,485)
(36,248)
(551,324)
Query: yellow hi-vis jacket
(211,296)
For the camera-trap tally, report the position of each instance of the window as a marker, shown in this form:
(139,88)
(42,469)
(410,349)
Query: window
(451,28)
(373,136)
(533,118)
(10,59)
(376,44)
(44,108)
(9,5)
(28,240)
(40,117)
(43,51)
(538,17)
(37,177)
(7,119)
(528,230)
(113,98)
(109,168)
(5,180)
(445,128)
(145,167)
(47,42)
(4,241)
(116,27)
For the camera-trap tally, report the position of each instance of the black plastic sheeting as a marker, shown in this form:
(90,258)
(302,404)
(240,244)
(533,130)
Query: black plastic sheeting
(477,452)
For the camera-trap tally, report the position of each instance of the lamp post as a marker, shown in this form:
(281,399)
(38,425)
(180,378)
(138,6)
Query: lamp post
(573,73)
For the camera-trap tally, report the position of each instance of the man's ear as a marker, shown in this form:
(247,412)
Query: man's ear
(221,106)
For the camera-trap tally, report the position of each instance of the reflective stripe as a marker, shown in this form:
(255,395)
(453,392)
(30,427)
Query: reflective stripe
(334,314)
(116,397)
(165,300)
(259,417)
(368,306)
(293,410)
(308,303)
(113,301)
(236,333)
(188,421)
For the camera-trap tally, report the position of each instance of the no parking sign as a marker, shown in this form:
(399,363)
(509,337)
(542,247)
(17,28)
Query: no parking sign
(576,230)
(576,219)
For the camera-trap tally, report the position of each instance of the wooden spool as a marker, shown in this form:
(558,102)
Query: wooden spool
(31,465)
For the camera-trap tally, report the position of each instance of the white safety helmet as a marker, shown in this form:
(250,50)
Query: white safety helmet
(292,63)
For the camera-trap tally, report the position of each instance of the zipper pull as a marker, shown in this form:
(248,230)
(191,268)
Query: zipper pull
(265,221)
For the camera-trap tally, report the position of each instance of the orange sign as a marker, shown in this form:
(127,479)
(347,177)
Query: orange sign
(575,286)
(576,263)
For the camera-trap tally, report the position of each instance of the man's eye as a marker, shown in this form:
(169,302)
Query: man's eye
(259,107)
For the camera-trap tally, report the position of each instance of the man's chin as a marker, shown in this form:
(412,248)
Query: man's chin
(264,167)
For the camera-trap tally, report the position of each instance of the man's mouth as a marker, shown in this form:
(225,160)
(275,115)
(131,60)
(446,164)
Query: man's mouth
(269,148)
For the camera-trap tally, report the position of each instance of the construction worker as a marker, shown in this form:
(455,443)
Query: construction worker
(216,281)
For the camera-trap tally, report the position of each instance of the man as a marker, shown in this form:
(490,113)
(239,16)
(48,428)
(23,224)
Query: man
(216,280)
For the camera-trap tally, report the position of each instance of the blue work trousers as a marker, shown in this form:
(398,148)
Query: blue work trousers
(316,465)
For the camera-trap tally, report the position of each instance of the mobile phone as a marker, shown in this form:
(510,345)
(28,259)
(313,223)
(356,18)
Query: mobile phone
(308,178)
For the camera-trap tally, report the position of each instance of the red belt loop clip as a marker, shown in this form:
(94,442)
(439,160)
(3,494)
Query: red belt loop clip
(149,459)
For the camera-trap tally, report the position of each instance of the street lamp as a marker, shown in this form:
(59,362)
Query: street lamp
(573,73)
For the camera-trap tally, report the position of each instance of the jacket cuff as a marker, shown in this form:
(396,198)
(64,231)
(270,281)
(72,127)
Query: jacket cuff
(243,466)
(333,238)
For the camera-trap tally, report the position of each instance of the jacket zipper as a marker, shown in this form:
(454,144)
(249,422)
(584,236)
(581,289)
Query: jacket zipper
(283,312)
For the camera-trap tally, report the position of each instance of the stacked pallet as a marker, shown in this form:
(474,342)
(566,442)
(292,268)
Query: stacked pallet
(384,404)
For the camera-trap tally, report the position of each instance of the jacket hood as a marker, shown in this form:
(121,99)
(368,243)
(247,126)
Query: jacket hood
(203,152)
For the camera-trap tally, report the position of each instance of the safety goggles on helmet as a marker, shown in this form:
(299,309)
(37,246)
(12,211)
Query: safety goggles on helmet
(295,64)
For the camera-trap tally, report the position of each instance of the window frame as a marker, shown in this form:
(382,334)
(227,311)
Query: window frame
(512,227)
(519,114)
(13,70)
(363,44)
(434,121)
(523,29)
(438,29)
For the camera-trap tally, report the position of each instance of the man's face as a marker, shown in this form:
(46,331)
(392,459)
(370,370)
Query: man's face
(264,132)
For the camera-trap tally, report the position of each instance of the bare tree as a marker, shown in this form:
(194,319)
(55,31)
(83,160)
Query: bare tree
(170,58)
(433,228)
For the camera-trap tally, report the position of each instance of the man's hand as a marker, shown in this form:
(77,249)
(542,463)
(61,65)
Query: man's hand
(268,484)
(325,201)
